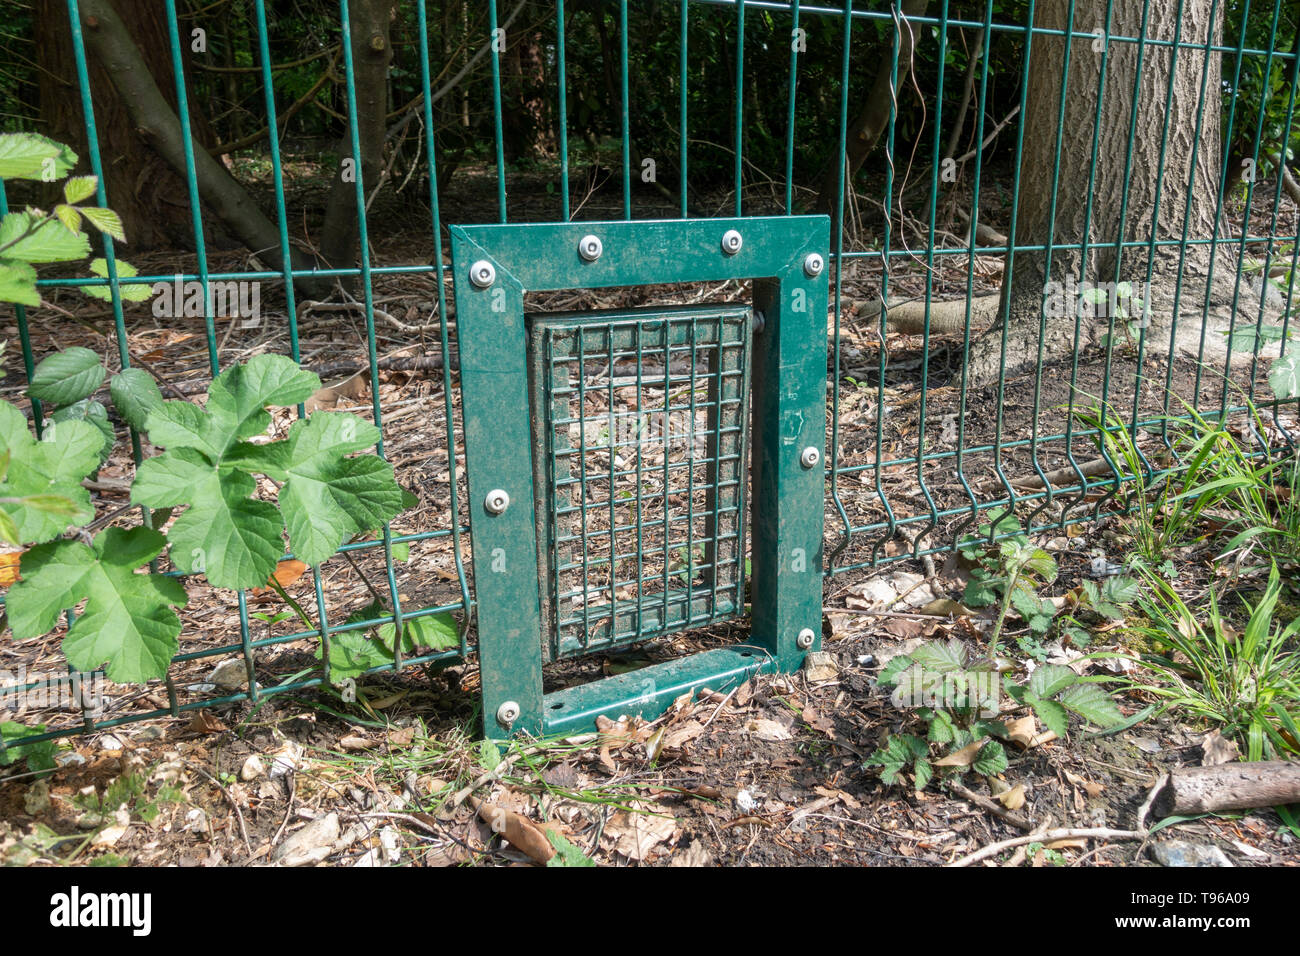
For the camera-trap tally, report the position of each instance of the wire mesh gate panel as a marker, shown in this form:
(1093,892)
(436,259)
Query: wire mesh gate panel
(640,440)
(591,528)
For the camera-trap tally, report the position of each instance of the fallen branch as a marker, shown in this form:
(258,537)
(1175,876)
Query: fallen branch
(1229,786)
(1048,836)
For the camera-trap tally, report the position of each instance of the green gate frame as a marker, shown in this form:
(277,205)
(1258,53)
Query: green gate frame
(786,259)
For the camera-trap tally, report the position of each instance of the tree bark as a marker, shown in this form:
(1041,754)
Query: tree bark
(1123,192)
(157,125)
(372,52)
(142,187)
(865,130)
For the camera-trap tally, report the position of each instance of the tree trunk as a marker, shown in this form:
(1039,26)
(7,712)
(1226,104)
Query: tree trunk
(1123,192)
(372,52)
(143,189)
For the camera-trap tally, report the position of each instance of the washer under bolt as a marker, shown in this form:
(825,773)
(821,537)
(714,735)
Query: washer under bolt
(482,273)
(731,242)
(507,713)
(805,638)
(590,248)
(813,265)
(810,457)
(496,501)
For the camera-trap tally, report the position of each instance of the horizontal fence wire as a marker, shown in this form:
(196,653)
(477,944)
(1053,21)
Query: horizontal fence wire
(761,107)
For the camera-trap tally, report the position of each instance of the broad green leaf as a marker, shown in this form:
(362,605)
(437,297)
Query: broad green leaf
(54,504)
(130,292)
(18,283)
(1284,376)
(105,220)
(31,156)
(1092,704)
(224,533)
(1049,680)
(31,237)
(896,666)
(40,756)
(435,631)
(566,854)
(352,653)
(128,620)
(67,453)
(991,759)
(924,773)
(8,530)
(940,656)
(135,395)
(401,550)
(1121,589)
(326,497)
(1052,715)
(68,376)
(78,188)
(93,413)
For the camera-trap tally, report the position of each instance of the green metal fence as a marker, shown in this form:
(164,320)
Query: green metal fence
(1146,187)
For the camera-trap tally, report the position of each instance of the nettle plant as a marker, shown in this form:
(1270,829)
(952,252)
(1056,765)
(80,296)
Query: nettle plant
(221,466)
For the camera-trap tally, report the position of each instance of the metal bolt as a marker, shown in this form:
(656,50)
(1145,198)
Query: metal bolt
(731,242)
(813,265)
(482,274)
(810,457)
(507,713)
(760,322)
(805,638)
(589,248)
(496,501)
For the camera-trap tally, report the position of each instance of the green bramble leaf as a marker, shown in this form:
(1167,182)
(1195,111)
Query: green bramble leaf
(1092,704)
(93,413)
(1052,714)
(66,377)
(30,236)
(1048,680)
(78,188)
(55,465)
(1284,377)
(31,156)
(135,395)
(130,292)
(991,759)
(128,620)
(566,854)
(18,283)
(69,216)
(105,220)
(40,756)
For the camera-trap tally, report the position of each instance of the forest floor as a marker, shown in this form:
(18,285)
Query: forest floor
(774,772)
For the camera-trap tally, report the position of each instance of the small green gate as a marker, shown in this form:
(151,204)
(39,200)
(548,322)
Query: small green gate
(620,461)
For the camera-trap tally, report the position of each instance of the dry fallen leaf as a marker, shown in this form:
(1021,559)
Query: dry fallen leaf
(9,568)
(635,834)
(961,758)
(518,831)
(1217,749)
(287,572)
(765,729)
(204,723)
(1014,798)
(1023,732)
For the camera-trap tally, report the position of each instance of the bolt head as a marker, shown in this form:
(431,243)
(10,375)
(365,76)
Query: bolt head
(507,713)
(810,456)
(590,248)
(759,322)
(731,242)
(813,265)
(497,501)
(482,273)
(805,638)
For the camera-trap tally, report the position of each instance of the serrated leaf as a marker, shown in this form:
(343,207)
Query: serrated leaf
(18,283)
(33,238)
(435,631)
(224,533)
(53,466)
(1092,704)
(66,377)
(129,292)
(78,188)
(1052,714)
(93,413)
(105,220)
(924,773)
(566,854)
(135,395)
(32,156)
(1284,376)
(990,760)
(39,755)
(942,657)
(128,620)
(1048,680)
(890,672)
(1121,589)
(69,216)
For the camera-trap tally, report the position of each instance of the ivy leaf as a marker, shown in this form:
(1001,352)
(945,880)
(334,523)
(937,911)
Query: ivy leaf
(18,283)
(128,620)
(1092,704)
(1284,376)
(66,377)
(32,156)
(224,533)
(31,237)
(53,466)
(1049,680)
(135,395)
